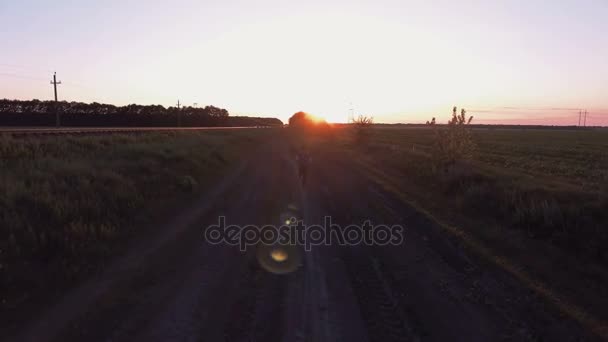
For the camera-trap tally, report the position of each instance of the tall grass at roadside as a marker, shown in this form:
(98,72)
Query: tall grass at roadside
(65,202)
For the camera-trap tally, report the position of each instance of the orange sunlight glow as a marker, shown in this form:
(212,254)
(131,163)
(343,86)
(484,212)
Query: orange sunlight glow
(316,118)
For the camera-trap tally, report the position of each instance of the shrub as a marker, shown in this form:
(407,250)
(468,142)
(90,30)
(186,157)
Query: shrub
(453,146)
(362,124)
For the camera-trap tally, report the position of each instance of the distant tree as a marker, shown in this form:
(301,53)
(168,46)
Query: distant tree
(301,119)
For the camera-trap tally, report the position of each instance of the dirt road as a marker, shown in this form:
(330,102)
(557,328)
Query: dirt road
(175,286)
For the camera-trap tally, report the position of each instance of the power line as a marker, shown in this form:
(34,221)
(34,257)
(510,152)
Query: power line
(27,77)
(24,67)
(22,76)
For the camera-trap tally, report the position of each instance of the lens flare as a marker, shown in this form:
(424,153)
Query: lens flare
(279,255)
(279,259)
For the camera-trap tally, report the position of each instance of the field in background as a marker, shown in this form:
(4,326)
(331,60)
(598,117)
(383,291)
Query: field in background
(577,157)
(68,202)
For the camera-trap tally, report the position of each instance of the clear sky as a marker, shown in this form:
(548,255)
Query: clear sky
(512,61)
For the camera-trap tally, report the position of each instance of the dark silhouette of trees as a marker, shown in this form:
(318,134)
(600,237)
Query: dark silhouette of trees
(42,113)
(300,119)
(236,121)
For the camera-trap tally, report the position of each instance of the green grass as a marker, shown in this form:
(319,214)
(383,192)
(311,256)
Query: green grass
(67,202)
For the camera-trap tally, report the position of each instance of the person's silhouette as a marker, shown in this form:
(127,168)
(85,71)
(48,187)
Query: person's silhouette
(303,160)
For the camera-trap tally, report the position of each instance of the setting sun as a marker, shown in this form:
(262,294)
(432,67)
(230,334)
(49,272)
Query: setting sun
(317,118)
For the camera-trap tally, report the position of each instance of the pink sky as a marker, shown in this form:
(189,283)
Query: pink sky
(398,60)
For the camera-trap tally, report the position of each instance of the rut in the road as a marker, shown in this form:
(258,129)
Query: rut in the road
(381,309)
(257,311)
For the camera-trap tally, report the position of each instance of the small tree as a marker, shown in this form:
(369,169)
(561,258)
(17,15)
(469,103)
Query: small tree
(362,123)
(454,142)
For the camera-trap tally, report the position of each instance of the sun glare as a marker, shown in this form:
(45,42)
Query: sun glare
(316,118)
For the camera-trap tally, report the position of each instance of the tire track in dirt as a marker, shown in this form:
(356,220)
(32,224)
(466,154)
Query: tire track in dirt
(382,313)
(257,312)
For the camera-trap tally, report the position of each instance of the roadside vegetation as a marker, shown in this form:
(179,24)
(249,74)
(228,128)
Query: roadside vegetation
(68,203)
(362,125)
(549,184)
(453,147)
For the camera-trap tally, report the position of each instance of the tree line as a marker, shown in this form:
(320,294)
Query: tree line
(43,113)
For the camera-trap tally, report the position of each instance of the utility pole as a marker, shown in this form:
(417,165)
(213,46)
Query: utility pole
(179,116)
(55,83)
(351,114)
(585,119)
(579,117)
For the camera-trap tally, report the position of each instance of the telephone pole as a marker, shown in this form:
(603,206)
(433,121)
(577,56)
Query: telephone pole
(579,117)
(179,115)
(585,119)
(55,83)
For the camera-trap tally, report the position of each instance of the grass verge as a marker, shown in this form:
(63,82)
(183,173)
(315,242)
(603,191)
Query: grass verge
(68,204)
